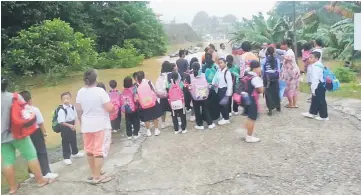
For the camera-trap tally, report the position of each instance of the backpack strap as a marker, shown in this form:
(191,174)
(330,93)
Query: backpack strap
(225,72)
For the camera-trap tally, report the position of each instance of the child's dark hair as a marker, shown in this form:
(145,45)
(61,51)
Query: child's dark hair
(278,46)
(212,47)
(224,60)
(26,95)
(307,46)
(181,53)
(101,85)
(64,94)
(208,59)
(90,77)
(287,42)
(229,60)
(319,42)
(246,46)
(196,66)
(128,82)
(113,84)
(254,64)
(316,54)
(174,76)
(206,49)
(166,67)
(270,57)
(135,75)
(140,76)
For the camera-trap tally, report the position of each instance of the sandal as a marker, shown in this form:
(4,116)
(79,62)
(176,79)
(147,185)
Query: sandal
(101,173)
(295,107)
(49,181)
(14,192)
(288,106)
(103,179)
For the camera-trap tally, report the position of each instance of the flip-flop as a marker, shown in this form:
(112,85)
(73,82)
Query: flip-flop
(18,187)
(101,173)
(49,181)
(295,107)
(287,106)
(103,179)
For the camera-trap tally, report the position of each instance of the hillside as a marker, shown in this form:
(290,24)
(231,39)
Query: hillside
(180,33)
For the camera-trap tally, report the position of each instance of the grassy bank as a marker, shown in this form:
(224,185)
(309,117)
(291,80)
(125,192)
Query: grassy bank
(347,90)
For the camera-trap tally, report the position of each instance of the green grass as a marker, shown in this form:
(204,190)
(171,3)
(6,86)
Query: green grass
(347,90)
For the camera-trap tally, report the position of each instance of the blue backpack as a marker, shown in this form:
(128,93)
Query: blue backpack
(331,82)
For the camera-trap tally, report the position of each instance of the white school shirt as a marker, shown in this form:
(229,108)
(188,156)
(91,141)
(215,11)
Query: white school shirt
(95,117)
(257,81)
(220,81)
(222,54)
(39,116)
(316,76)
(70,115)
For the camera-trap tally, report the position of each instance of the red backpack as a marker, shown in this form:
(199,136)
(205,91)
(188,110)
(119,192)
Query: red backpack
(23,119)
(115,99)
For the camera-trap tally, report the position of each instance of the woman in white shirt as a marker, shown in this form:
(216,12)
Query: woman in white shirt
(93,107)
(223,82)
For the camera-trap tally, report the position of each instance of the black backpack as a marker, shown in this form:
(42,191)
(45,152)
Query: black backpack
(55,125)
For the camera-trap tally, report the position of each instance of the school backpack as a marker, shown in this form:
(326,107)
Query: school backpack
(199,87)
(175,96)
(127,101)
(270,75)
(161,86)
(115,99)
(147,97)
(242,88)
(23,119)
(55,125)
(331,82)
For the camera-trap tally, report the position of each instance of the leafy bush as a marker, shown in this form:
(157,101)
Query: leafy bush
(117,57)
(345,75)
(51,48)
(147,47)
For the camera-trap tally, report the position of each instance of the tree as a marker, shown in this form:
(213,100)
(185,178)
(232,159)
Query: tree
(230,18)
(50,47)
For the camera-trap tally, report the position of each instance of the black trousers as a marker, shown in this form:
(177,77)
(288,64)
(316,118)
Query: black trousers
(224,109)
(39,143)
(187,98)
(132,119)
(318,102)
(116,122)
(235,106)
(181,114)
(272,94)
(69,144)
(203,114)
(212,103)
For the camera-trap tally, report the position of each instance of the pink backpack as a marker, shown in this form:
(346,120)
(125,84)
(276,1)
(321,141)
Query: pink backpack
(127,101)
(199,87)
(175,96)
(147,97)
(115,99)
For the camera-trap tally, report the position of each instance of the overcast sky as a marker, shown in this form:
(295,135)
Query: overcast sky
(184,10)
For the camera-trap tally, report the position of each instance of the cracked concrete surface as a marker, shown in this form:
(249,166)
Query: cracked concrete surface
(295,156)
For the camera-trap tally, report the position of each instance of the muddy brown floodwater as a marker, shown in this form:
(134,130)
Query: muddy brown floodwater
(48,98)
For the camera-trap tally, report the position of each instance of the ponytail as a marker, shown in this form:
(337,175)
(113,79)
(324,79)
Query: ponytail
(196,67)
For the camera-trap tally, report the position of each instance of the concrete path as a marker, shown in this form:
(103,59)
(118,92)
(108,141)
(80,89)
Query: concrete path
(295,156)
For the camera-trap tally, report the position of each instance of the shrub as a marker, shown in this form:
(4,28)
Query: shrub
(117,57)
(51,47)
(148,48)
(345,75)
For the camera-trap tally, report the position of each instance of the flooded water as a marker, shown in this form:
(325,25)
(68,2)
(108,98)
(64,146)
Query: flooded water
(48,98)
